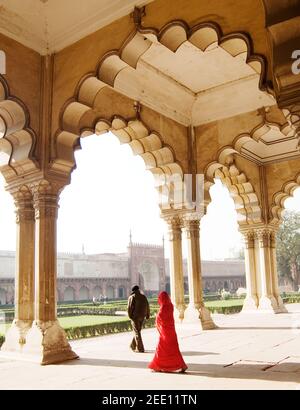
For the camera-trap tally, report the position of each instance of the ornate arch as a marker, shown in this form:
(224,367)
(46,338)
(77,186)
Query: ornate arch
(240,188)
(287,191)
(204,36)
(17,139)
(82,116)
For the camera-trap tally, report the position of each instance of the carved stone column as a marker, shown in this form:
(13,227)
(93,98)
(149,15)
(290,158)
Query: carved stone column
(24,278)
(46,338)
(251,301)
(274,273)
(176,267)
(267,301)
(196,311)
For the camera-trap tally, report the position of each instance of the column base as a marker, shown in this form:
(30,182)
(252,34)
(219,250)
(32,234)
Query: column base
(47,341)
(15,337)
(199,314)
(268,304)
(179,312)
(281,306)
(250,304)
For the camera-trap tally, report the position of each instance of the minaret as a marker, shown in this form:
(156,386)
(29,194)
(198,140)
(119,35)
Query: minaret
(130,261)
(82,249)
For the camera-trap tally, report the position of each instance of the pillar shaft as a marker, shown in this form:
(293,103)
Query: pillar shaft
(45,258)
(261,270)
(196,310)
(24,279)
(176,267)
(274,274)
(46,339)
(267,300)
(251,301)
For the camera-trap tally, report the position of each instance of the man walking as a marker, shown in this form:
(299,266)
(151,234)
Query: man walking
(138,310)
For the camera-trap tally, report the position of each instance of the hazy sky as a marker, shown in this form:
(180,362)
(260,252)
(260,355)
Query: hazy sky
(111,194)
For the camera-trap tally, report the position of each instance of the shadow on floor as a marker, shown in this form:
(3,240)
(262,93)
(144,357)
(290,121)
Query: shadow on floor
(256,328)
(230,371)
(188,353)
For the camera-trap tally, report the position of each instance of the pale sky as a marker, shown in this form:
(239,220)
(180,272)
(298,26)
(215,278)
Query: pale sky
(111,192)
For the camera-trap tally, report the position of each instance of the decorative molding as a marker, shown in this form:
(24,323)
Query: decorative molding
(280,197)
(292,114)
(249,239)
(34,35)
(80,118)
(263,237)
(283,31)
(17,139)
(174,34)
(24,205)
(240,188)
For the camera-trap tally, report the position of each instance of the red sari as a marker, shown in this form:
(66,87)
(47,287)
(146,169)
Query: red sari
(167,355)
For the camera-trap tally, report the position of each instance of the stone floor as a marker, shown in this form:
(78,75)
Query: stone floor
(247,351)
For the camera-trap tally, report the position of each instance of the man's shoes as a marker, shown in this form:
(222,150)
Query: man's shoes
(135,350)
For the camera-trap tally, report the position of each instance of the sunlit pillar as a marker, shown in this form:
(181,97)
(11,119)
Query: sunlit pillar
(251,301)
(24,278)
(176,266)
(267,301)
(274,274)
(46,338)
(196,312)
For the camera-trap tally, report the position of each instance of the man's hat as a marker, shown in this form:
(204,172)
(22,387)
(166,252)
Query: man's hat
(136,287)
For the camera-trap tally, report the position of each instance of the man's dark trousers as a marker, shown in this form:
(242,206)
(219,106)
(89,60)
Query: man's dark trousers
(137,342)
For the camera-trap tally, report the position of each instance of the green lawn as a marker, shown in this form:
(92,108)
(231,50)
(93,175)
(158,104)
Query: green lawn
(225,303)
(74,321)
(3,328)
(88,320)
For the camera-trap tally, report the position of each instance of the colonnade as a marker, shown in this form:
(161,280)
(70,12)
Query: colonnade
(36,330)
(261,270)
(195,311)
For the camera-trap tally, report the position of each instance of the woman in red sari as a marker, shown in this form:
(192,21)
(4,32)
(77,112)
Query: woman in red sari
(167,355)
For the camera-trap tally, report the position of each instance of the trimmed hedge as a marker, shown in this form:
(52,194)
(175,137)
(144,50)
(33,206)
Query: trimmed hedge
(102,329)
(2,338)
(225,310)
(291,299)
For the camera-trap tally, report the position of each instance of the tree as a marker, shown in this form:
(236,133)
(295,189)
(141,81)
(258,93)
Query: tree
(288,248)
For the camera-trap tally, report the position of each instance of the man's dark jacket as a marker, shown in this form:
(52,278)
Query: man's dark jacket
(138,306)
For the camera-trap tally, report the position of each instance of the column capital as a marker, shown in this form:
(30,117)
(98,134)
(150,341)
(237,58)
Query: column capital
(266,236)
(45,198)
(23,204)
(175,228)
(46,187)
(192,217)
(173,220)
(249,239)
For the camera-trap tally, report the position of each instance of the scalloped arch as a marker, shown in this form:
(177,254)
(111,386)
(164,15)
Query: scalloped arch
(204,36)
(287,191)
(240,188)
(159,159)
(80,116)
(17,139)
